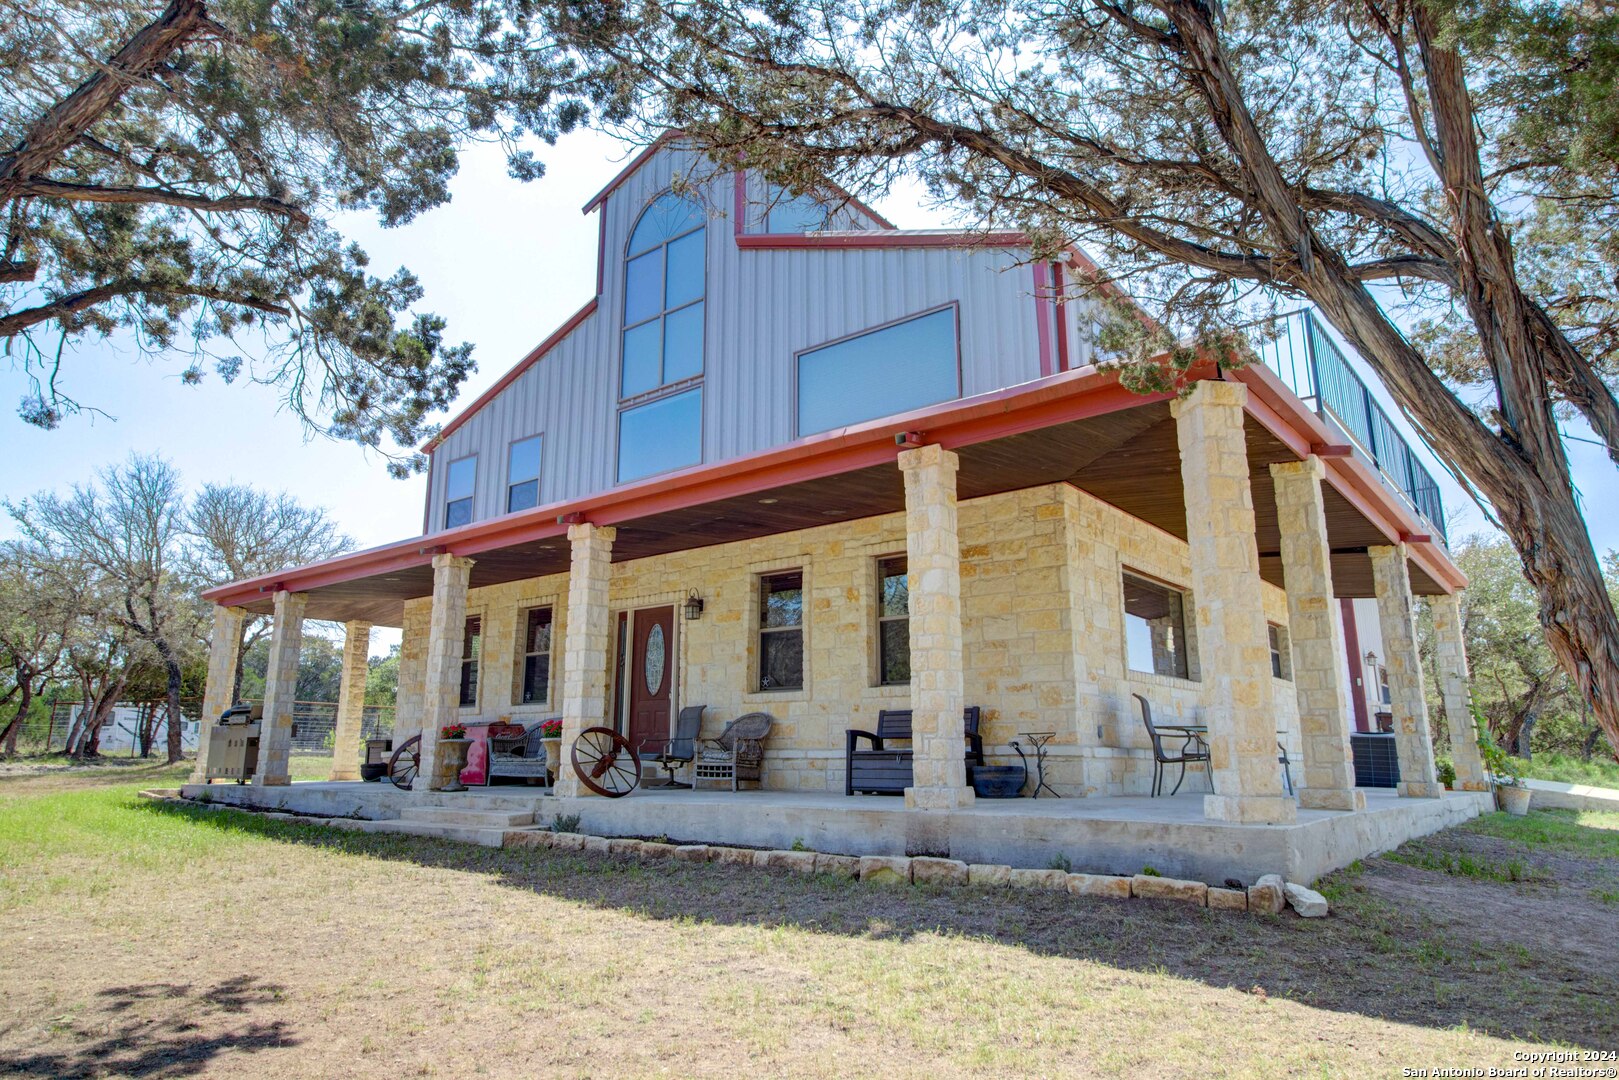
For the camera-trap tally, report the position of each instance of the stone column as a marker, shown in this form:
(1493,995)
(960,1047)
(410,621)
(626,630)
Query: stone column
(351,701)
(933,553)
(1450,652)
(1396,615)
(280,688)
(1233,646)
(1317,637)
(224,646)
(584,644)
(441,698)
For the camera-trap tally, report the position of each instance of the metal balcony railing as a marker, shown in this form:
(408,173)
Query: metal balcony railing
(1315,369)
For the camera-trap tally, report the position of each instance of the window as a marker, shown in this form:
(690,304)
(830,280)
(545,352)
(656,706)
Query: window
(1281,658)
(536,656)
(878,373)
(471,646)
(523,474)
(661,435)
(663,296)
(781,631)
(893,622)
(1155,627)
(786,213)
(1385,695)
(458,492)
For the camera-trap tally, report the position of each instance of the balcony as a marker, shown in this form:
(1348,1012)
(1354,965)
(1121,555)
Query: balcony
(1315,369)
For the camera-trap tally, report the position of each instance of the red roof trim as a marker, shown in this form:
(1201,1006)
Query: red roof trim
(511,376)
(629,170)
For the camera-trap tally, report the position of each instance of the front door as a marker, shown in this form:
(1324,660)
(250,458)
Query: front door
(651,674)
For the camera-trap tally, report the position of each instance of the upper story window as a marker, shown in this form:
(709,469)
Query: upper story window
(891,369)
(523,474)
(458,485)
(663,296)
(664,286)
(786,213)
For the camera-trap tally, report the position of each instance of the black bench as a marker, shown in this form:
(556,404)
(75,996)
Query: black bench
(886,770)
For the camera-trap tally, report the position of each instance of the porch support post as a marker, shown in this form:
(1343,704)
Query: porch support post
(441,698)
(1396,615)
(1233,646)
(1317,637)
(280,687)
(351,700)
(224,645)
(933,553)
(1450,652)
(584,646)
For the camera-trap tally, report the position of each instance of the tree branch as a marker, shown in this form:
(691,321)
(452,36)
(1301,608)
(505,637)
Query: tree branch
(19,321)
(56,189)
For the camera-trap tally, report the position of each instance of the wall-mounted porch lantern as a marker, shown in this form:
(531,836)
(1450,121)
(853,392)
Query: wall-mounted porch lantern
(694,605)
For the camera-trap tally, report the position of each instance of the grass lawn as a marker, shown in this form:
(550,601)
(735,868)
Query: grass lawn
(1572,770)
(149,939)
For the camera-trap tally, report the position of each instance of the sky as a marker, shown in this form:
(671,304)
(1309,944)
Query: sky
(505,262)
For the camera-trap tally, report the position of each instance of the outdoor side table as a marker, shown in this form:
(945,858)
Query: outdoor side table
(1037,740)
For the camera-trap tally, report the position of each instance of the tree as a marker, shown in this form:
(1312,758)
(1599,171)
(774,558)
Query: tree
(37,612)
(126,533)
(240,532)
(173,174)
(1389,161)
(382,678)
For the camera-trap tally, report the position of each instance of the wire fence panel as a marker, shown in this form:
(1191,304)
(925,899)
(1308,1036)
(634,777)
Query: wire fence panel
(314,726)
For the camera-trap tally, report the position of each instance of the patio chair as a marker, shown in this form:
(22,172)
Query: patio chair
(737,755)
(678,751)
(516,751)
(1192,749)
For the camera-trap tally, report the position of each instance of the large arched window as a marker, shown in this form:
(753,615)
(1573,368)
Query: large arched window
(664,271)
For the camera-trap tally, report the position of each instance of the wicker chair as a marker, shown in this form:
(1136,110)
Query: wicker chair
(521,754)
(737,755)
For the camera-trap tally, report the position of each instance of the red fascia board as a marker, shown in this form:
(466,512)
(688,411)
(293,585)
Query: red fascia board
(510,377)
(880,238)
(629,170)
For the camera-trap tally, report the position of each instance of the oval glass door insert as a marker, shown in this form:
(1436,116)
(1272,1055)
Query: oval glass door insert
(654,659)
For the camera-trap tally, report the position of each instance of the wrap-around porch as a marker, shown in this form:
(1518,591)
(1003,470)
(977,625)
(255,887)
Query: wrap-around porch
(1270,518)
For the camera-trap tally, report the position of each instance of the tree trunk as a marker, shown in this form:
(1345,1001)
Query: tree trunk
(172,664)
(12,729)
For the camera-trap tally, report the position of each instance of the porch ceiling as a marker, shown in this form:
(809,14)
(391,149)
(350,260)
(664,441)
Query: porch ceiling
(1128,457)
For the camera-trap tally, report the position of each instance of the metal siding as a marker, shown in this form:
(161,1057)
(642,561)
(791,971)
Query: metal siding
(763,306)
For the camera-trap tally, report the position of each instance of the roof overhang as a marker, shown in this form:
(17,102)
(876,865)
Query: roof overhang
(1079,427)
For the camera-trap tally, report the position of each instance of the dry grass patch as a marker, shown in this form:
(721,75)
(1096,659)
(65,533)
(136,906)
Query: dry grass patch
(155,940)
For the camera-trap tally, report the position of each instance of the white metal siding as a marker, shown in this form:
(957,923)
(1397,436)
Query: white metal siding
(763,306)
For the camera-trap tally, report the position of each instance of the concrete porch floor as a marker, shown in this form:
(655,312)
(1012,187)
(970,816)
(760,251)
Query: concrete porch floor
(1100,835)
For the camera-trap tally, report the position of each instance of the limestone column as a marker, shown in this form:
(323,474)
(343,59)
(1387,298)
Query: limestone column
(1317,637)
(1233,646)
(351,701)
(280,688)
(933,553)
(224,646)
(584,644)
(1396,615)
(1450,651)
(441,697)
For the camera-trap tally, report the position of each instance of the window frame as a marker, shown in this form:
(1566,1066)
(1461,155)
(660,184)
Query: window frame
(539,467)
(760,595)
(471,661)
(471,500)
(641,397)
(525,655)
(882,561)
(797,376)
(1184,653)
(1280,643)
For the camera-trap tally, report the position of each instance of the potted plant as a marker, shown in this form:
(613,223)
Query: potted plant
(551,739)
(452,731)
(1511,793)
(453,747)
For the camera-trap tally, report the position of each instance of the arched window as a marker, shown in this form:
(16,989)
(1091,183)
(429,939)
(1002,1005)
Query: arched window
(664,270)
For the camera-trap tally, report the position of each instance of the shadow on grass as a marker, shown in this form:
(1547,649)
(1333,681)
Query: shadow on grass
(1374,957)
(168,1047)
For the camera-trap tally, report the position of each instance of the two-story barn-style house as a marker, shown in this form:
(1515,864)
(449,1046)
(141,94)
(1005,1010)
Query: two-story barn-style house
(790,459)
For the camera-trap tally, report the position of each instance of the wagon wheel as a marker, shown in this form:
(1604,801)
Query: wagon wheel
(404,763)
(605,762)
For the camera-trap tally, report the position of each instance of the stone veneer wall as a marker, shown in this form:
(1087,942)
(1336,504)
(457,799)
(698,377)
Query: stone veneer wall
(1043,634)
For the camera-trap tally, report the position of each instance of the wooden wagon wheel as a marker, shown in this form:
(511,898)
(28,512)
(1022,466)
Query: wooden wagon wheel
(405,762)
(605,762)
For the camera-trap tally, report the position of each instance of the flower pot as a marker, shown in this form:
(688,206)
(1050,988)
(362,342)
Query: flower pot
(999,781)
(452,758)
(1513,799)
(553,756)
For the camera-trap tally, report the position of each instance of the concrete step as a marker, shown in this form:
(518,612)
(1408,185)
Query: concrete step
(485,837)
(484,819)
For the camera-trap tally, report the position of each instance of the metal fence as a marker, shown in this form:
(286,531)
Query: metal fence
(314,725)
(1314,368)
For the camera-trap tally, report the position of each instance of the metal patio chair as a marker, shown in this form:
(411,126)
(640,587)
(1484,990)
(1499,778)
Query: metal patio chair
(678,751)
(1192,749)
